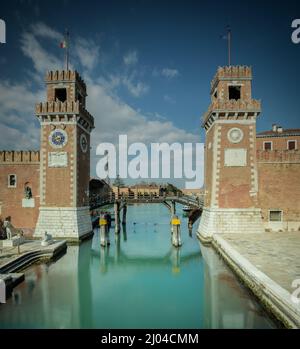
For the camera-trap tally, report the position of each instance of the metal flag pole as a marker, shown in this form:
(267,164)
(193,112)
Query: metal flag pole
(229,45)
(67,48)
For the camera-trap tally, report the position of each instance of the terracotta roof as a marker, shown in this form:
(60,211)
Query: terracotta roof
(146,186)
(284,133)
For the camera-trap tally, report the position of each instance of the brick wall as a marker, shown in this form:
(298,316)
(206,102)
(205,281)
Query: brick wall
(279,185)
(83,171)
(278,143)
(56,189)
(11,199)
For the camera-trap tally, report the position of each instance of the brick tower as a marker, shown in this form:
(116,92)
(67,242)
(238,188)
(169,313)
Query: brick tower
(231,185)
(64,158)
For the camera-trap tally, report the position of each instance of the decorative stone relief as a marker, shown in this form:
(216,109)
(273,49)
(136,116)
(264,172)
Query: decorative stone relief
(235,135)
(57,159)
(235,157)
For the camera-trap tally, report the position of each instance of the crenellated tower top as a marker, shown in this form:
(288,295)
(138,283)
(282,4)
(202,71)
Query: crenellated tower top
(240,72)
(65,85)
(231,96)
(66,99)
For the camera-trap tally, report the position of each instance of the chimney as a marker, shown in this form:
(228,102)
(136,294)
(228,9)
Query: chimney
(279,129)
(274,128)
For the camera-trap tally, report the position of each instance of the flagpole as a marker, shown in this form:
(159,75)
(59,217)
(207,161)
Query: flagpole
(229,46)
(67,49)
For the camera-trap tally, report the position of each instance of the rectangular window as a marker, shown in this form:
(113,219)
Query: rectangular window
(267,145)
(12,181)
(291,145)
(275,216)
(234,92)
(61,94)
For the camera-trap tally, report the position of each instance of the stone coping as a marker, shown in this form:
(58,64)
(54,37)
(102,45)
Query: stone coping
(31,251)
(275,298)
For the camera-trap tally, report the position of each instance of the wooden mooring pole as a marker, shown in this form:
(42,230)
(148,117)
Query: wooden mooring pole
(104,233)
(124,213)
(176,238)
(117,216)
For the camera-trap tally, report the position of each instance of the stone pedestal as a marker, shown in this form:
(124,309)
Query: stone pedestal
(28,203)
(69,223)
(230,220)
(15,241)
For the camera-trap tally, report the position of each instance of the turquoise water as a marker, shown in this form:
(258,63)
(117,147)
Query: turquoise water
(140,281)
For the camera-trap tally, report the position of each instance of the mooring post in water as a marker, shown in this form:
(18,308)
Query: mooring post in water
(173,208)
(118,247)
(103,259)
(190,227)
(124,213)
(103,231)
(176,238)
(175,257)
(117,216)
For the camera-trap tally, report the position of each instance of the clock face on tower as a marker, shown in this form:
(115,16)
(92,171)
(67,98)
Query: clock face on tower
(83,143)
(58,138)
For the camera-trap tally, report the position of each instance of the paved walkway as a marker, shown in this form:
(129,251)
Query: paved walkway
(275,254)
(8,254)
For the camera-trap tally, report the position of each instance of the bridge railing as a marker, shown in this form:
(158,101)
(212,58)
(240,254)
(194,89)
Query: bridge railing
(100,200)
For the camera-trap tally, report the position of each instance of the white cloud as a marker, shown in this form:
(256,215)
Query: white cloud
(169,99)
(136,89)
(42,30)
(42,59)
(113,116)
(169,73)
(166,73)
(19,127)
(88,52)
(130,58)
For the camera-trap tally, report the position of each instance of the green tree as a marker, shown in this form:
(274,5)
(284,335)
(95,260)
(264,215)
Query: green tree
(118,182)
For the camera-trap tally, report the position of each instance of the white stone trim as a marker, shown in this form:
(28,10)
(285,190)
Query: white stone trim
(64,222)
(229,220)
(277,210)
(241,122)
(8,181)
(267,142)
(75,122)
(233,210)
(49,208)
(215,161)
(75,170)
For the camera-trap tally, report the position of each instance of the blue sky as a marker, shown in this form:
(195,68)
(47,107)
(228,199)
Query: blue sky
(147,64)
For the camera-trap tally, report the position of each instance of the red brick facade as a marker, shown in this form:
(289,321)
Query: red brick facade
(59,174)
(252,181)
(279,178)
(24,165)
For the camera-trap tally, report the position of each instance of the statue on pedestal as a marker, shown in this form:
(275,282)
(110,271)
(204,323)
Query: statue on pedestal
(47,239)
(27,192)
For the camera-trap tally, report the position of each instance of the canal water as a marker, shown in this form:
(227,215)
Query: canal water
(140,281)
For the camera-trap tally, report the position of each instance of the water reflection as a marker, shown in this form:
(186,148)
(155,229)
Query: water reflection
(139,281)
(228,304)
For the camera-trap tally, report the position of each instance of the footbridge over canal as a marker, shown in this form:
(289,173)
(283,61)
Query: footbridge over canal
(193,204)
